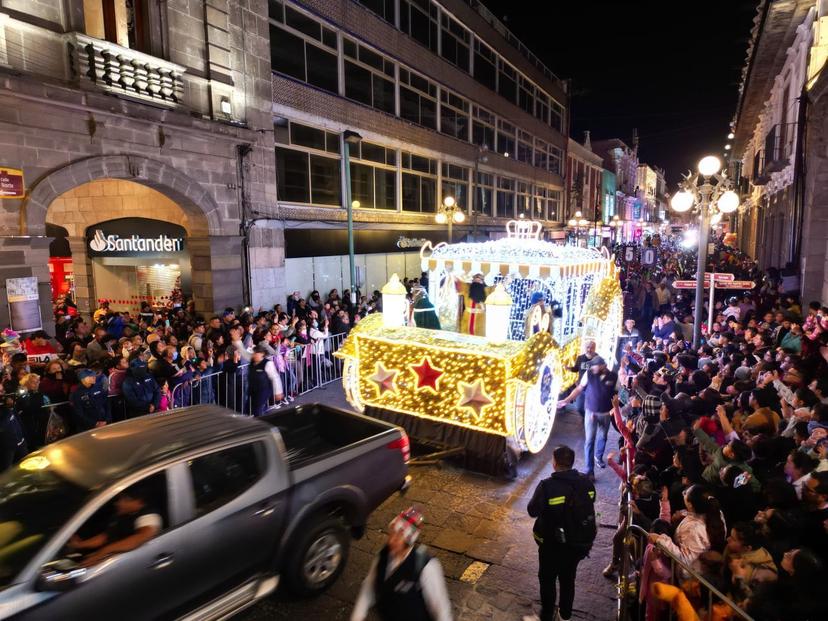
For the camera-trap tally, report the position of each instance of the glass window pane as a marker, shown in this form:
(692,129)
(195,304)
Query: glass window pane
(276,10)
(428,194)
(301,22)
(420,163)
(386,188)
(370,58)
(383,91)
(349,48)
(220,477)
(428,113)
(362,184)
(287,53)
(292,176)
(322,71)
(307,136)
(410,192)
(373,152)
(329,38)
(483,200)
(506,87)
(325,180)
(482,135)
(505,204)
(332,143)
(357,83)
(485,72)
(409,105)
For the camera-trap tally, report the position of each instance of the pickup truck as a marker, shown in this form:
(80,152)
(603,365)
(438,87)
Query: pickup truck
(235,504)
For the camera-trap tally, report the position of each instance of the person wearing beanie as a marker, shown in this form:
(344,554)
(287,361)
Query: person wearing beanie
(141,392)
(404,582)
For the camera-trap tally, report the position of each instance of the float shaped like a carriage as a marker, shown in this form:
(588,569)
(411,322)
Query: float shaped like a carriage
(513,314)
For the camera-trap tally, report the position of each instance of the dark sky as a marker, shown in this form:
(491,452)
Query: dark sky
(670,68)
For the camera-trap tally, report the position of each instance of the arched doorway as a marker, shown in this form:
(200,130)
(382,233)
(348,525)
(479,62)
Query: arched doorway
(99,189)
(132,268)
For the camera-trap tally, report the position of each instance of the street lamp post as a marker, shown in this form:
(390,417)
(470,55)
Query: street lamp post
(450,212)
(708,191)
(614,224)
(348,138)
(476,189)
(578,223)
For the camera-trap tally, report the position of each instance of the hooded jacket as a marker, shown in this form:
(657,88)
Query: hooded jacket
(140,388)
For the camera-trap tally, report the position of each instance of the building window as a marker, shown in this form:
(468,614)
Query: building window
(524,147)
(484,192)
(542,106)
(307,172)
(123,22)
(455,42)
(523,204)
(553,206)
(383,8)
(554,160)
(526,95)
(541,155)
(454,115)
(506,81)
(302,48)
(485,65)
(455,184)
(505,198)
(419,183)
(483,128)
(505,138)
(539,204)
(418,99)
(556,115)
(369,77)
(374,177)
(418,19)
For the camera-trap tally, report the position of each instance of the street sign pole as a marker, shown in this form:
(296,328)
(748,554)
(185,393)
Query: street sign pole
(710,312)
(704,230)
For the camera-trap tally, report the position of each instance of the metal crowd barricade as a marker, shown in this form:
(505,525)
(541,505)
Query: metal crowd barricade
(301,370)
(708,602)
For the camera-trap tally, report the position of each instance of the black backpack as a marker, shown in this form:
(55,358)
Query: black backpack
(579,524)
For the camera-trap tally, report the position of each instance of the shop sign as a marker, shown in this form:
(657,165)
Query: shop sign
(411,242)
(11,183)
(134,237)
(24,304)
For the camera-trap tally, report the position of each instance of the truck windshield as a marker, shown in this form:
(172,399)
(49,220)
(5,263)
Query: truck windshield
(34,505)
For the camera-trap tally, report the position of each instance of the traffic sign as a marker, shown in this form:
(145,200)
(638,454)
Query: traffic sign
(733,284)
(720,276)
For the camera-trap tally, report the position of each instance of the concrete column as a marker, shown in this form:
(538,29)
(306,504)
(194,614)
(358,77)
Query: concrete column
(21,257)
(216,272)
(267,266)
(82,271)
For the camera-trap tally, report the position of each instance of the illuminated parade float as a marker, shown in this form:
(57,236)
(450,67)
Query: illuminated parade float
(512,314)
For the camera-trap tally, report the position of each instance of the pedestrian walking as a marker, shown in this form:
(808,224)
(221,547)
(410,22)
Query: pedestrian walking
(563,506)
(598,385)
(404,583)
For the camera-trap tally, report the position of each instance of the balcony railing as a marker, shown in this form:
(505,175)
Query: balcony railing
(100,64)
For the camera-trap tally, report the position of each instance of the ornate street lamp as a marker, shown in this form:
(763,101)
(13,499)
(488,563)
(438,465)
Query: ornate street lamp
(615,226)
(449,213)
(709,192)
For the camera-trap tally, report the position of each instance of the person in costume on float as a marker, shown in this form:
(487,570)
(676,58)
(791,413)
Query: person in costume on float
(423,311)
(538,316)
(474,297)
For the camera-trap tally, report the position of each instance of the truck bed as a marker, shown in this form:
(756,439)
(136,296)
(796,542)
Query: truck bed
(314,430)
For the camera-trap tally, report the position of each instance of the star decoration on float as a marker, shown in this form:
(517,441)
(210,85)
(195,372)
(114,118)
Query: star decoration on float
(474,397)
(427,374)
(384,379)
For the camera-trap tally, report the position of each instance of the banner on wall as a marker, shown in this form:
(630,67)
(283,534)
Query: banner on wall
(11,183)
(24,304)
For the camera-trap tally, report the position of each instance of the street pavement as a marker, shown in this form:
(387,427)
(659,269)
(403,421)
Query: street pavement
(473,523)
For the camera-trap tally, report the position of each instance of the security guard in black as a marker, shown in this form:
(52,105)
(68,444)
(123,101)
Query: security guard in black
(562,541)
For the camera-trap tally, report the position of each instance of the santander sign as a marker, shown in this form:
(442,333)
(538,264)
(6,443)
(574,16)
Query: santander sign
(134,243)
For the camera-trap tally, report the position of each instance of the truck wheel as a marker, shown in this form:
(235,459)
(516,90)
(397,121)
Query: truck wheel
(318,557)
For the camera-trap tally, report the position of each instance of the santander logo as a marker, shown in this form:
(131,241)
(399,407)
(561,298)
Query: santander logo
(98,243)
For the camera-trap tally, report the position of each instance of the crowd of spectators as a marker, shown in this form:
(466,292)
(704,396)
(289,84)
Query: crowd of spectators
(724,450)
(118,364)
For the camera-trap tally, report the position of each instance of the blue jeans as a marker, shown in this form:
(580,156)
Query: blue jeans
(595,423)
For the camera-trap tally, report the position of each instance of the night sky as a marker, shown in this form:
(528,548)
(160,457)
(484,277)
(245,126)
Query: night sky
(669,68)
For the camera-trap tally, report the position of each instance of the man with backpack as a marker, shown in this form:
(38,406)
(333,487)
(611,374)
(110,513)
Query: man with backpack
(565,528)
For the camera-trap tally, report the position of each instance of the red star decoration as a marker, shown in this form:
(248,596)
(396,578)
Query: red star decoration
(427,375)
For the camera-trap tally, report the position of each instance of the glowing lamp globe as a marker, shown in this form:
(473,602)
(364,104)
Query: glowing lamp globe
(440,218)
(728,202)
(498,309)
(710,165)
(681,201)
(716,219)
(393,303)
(448,201)
(458,217)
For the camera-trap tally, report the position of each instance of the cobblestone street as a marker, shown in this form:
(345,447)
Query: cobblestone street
(471,518)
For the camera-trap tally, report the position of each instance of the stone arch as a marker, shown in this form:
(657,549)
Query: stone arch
(179,187)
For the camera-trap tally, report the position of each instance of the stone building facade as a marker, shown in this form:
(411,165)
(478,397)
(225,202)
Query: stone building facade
(174,97)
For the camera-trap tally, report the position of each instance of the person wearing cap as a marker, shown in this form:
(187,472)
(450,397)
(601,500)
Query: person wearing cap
(562,543)
(196,340)
(263,381)
(141,392)
(90,402)
(404,582)
(598,386)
